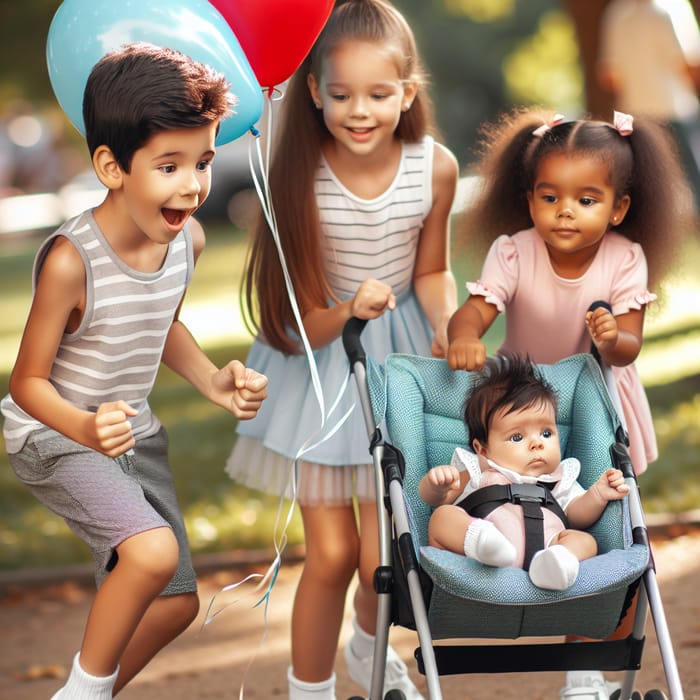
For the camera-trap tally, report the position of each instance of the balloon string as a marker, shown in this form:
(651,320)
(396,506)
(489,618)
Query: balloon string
(281,523)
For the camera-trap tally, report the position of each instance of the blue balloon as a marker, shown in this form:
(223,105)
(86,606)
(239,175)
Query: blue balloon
(82,31)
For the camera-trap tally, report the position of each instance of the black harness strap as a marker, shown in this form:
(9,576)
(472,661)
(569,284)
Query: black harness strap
(531,497)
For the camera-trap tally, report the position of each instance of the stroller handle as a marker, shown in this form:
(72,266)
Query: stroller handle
(597,305)
(351,341)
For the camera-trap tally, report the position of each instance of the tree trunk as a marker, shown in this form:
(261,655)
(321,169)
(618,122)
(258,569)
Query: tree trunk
(586,15)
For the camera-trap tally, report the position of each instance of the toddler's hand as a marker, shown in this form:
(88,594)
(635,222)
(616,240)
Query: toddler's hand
(466,353)
(112,428)
(372,299)
(602,327)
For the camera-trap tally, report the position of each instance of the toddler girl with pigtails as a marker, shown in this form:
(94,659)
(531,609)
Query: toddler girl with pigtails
(575,212)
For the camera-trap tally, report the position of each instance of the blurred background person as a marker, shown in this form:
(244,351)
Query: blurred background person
(649,61)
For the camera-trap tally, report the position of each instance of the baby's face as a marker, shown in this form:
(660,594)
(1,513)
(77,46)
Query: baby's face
(525,441)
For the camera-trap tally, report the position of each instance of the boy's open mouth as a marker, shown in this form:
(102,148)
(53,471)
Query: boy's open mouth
(175,216)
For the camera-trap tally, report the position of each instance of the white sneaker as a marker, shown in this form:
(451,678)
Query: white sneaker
(587,685)
(395,674)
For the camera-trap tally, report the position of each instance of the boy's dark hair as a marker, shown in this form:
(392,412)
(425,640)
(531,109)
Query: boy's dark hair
(509,382)
(140,90)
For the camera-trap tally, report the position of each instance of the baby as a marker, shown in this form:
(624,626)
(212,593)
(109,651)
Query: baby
(511,420)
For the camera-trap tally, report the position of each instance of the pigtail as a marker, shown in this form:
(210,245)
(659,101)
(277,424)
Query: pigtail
(501,205)
(661,209)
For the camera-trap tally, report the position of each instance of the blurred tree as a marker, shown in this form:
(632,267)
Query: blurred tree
(484,55)
(586,17)
(24,27)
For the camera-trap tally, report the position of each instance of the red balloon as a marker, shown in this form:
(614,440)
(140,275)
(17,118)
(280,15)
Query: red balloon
(275,35)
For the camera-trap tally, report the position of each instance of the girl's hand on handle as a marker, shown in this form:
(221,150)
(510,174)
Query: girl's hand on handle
(372,299)
(465,330)
(112,429)
(602,327)
(466,353)
(239,389)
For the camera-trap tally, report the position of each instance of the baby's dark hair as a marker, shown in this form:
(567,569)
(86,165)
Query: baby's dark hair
(644,165)
(509,382)
(140,90)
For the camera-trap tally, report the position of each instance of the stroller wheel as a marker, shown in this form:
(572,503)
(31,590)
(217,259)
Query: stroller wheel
(617,694)
(655,695)
(395,694)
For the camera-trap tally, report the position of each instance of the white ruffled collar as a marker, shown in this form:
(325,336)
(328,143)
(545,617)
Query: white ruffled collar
(565,474)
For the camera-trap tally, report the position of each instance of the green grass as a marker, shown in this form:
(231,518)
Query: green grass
(222,516)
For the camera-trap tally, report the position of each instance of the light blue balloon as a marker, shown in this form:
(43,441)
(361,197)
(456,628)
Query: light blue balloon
(82,31)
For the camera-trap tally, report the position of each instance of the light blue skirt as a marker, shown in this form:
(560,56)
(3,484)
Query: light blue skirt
(290,420)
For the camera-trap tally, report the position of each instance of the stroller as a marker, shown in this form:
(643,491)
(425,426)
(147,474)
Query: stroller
(442,595)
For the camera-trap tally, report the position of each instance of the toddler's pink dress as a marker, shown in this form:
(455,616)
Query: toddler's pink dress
(545,312)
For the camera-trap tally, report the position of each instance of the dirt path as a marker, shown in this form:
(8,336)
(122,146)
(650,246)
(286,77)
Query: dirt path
(40,629)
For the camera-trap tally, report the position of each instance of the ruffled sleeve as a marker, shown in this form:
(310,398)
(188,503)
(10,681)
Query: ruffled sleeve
(568,488)
(630,288)
(499,275)
(467,461)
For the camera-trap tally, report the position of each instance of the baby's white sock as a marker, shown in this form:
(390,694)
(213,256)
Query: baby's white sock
(301,690)
(487,545)
(554,568)
(84,686)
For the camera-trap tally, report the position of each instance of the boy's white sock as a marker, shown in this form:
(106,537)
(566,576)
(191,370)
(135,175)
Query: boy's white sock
(487,545)
(554,568)
(84,686)
(301,690)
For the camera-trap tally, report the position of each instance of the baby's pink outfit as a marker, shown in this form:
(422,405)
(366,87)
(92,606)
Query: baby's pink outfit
(545,312)
(508,518)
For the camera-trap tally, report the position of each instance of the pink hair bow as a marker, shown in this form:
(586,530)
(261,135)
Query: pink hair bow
(623,123)
(542,130)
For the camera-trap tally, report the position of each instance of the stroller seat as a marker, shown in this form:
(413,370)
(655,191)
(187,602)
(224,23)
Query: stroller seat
(423,408)
(441,595)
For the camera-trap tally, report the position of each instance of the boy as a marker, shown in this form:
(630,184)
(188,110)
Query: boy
(108,286)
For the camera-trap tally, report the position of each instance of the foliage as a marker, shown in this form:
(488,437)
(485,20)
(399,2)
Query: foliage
(481,55)
(23,32)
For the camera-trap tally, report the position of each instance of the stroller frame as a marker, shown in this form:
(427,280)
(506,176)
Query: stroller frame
(402,585)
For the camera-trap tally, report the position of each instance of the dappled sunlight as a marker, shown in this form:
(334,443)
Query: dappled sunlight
(545,68)
(666,361)
(217,320)
(481,10)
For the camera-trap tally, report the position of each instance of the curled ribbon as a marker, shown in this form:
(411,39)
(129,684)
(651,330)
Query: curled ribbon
(542,130)
(623,123)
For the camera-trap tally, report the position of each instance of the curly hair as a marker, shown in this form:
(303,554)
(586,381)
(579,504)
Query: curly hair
(643,165)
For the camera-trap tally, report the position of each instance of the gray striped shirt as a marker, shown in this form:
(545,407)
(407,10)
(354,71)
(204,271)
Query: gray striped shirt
(116,351)
(377,237)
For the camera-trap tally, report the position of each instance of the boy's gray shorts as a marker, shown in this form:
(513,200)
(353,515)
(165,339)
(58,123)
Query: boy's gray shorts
(104,500)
